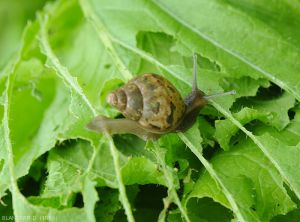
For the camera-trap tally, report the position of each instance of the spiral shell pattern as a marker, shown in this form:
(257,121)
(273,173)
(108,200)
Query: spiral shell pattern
(151,100)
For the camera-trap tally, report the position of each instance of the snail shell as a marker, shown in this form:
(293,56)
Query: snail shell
(151,100)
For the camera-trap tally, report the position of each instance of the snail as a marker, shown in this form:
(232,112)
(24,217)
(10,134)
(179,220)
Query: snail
(152,106)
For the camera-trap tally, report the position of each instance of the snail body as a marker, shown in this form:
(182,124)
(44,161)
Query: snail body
(152,106)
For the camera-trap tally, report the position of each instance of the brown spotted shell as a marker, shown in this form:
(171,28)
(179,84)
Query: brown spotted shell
(151,100)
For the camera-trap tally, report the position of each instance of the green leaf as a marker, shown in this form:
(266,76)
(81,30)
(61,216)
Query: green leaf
(278,107)
(13,18)
(250,178)
(67,163)
(289,136)
(286,157)
(225,129)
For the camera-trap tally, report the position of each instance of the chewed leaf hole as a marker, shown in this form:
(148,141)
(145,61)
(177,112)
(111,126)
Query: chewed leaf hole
(291,114)
(271,92)
(78,200)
